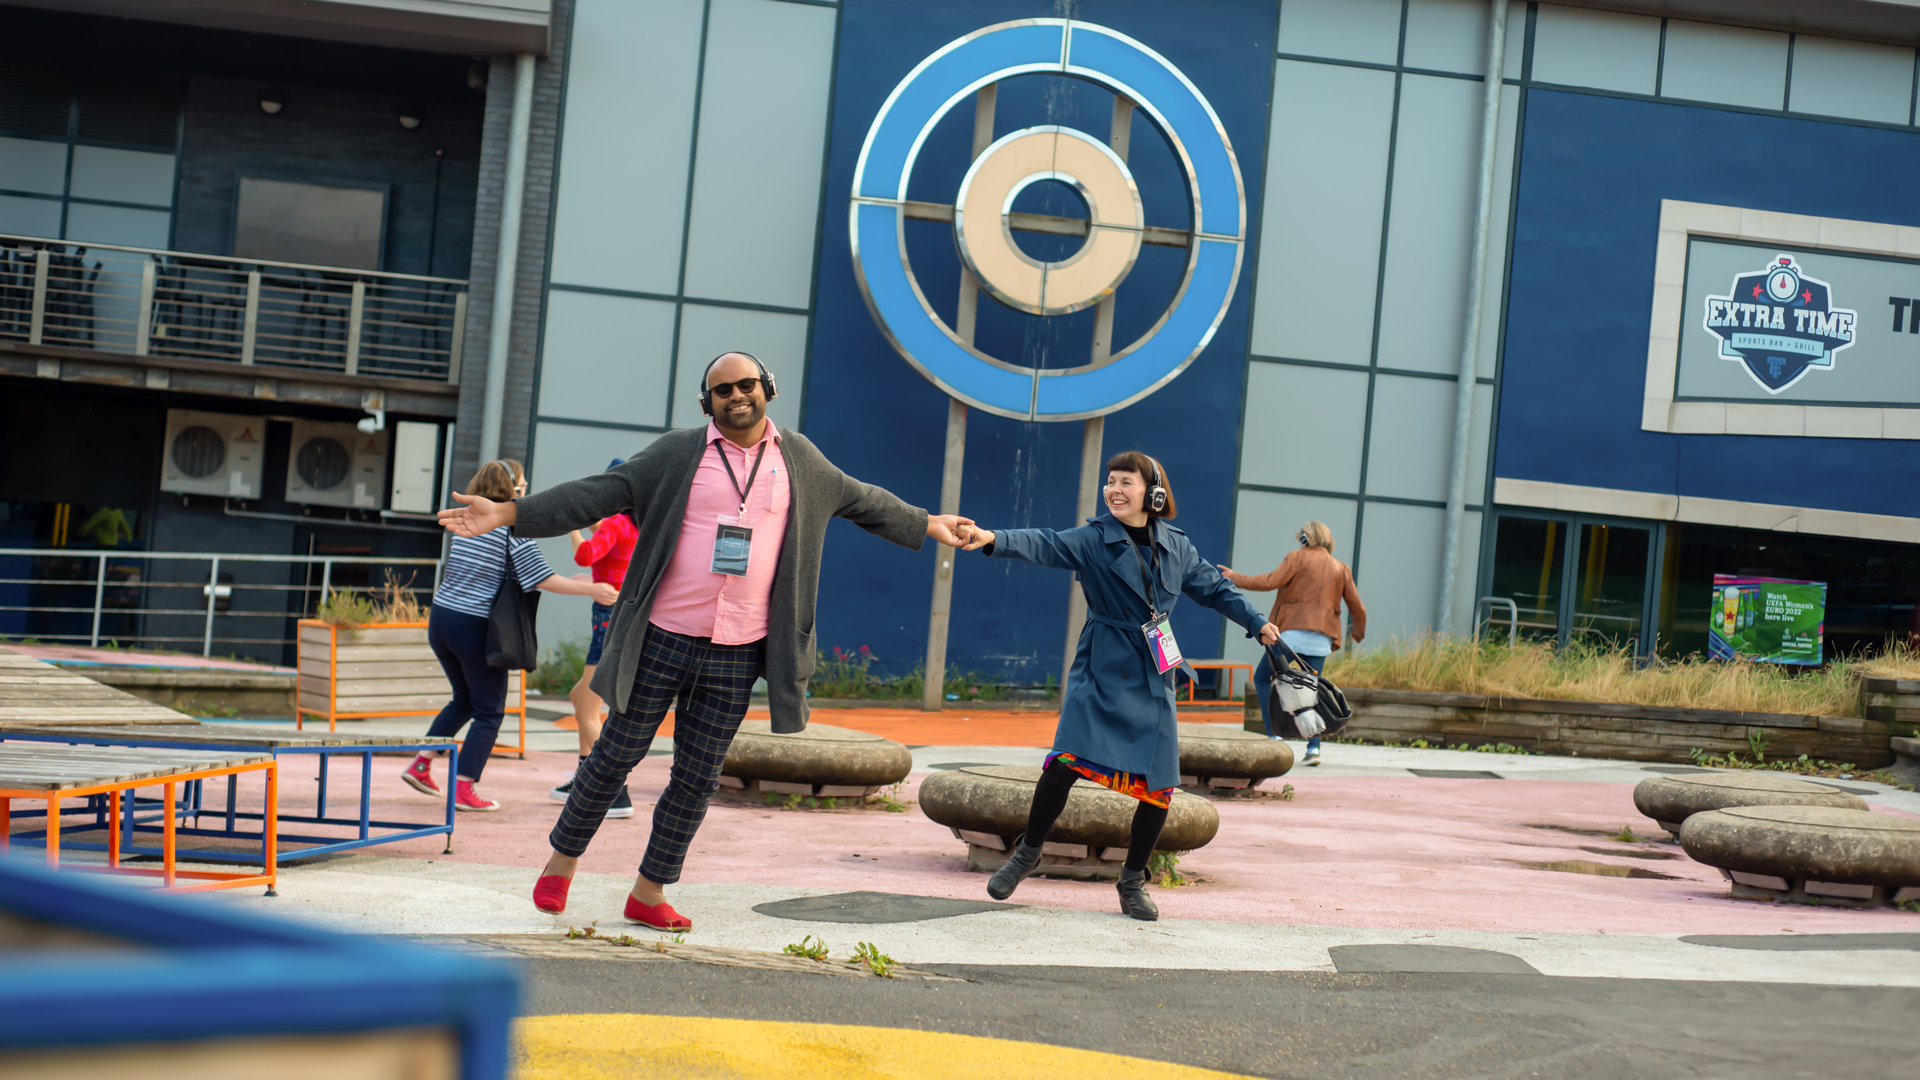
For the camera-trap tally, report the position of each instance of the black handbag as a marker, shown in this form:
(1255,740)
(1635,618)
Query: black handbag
(511,641)
(1295,688)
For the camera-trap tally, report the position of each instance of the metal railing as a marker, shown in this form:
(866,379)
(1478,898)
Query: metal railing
(146,302)
(120,591)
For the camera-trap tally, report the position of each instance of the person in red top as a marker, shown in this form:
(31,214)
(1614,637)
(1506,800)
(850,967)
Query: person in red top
(607,549)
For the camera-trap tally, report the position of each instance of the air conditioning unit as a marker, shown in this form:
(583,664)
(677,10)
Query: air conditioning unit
(213,454)
(332,464)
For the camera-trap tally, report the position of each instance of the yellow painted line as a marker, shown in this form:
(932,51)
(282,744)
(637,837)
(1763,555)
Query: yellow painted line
(630,1046)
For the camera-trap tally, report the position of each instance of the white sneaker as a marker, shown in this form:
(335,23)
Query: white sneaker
(1313,758)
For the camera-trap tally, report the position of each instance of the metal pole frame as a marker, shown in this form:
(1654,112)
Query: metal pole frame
(1470,323)
(507,266)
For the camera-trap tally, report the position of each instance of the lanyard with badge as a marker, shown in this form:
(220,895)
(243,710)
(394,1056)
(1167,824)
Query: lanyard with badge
(1159,629)
(733,544)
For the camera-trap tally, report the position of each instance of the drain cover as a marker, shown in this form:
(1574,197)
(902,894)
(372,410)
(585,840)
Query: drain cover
(1458,774)
(873,907)
(1807,942)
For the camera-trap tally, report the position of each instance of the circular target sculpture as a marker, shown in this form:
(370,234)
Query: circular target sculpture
(1810,854)
(1226,757)
(986,807)
(983,206)
(823,761)
(1671,800)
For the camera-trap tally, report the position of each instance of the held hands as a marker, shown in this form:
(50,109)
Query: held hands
(1269,634)
(977,538)
(477,516)
(604,594)
(949,529)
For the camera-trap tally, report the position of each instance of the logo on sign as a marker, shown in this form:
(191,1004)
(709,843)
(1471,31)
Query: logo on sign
(1780,323)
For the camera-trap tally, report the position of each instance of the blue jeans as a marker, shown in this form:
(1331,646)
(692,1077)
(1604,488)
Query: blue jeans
(1262,673)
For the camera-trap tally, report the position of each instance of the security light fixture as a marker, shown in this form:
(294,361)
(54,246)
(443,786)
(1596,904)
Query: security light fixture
(410,119)
(272,102)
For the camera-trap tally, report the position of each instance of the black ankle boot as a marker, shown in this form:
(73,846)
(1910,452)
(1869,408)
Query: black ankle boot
(1134,900)
(1022,861)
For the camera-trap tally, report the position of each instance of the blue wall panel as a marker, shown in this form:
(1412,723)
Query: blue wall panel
(1593,172)
(877,418)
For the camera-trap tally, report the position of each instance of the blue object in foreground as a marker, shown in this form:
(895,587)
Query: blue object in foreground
(177,971)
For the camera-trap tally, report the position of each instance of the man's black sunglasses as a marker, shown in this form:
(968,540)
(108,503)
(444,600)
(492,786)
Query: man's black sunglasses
(726,389)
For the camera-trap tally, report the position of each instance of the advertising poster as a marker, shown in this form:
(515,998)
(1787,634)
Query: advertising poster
(1773,620)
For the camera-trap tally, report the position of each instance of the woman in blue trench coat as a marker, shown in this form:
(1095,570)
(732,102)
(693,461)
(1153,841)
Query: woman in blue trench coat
(1117,724)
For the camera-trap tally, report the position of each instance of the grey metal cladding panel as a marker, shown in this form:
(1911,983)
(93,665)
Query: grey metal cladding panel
(1320,233)
(1853,79)
(1601,49)
(1399,571)
(1341,29)
(780,341)
(1264,528)
(118,225)
(763,118)
(1451,35)
(1725,64)
(133,176)
(605,358)
(628,130)
(1303,427)
(33,165)
(31,217)
(1411,437)
(1436,164)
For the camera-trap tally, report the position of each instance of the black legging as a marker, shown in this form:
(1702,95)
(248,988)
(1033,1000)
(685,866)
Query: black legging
(1050,797)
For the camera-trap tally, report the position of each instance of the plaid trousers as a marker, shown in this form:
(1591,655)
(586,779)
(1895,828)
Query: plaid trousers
(709,687)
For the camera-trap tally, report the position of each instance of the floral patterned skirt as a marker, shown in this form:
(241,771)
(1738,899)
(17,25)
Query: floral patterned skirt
(1133,785)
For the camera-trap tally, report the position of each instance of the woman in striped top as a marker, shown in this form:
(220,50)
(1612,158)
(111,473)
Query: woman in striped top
(457,631)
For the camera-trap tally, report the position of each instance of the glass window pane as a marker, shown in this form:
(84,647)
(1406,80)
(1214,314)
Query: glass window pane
(29,217)
(90,224)
(1610,585)
(122,175)
(1528,557)
(33,165)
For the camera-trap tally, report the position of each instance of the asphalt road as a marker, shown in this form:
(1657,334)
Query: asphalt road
(1311,1024)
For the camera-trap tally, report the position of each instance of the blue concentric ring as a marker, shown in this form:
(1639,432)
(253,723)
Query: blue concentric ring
(876,219)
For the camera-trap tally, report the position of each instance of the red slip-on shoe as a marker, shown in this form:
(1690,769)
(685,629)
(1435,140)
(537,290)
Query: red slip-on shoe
(419,776)
(659,917)
(550,893)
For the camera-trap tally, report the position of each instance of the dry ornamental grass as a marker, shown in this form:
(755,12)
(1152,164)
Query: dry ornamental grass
(1584,672)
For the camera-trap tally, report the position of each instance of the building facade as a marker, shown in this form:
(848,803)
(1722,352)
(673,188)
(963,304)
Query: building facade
(658,181)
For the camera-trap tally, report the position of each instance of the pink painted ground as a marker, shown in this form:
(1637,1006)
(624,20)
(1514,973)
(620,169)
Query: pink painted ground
(1381,852)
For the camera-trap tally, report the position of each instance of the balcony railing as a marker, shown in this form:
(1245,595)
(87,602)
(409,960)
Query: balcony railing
(245,311)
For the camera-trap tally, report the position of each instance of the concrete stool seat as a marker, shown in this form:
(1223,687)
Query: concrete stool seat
(1670,800)
(1224,756)
(986,806)
(826,761)
(1906,759)
(1813,854)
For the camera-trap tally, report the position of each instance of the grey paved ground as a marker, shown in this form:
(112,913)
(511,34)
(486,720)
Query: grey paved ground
(1310,1025)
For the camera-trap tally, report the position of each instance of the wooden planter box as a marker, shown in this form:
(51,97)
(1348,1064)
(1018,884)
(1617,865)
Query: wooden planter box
(381,670)
(1604,729)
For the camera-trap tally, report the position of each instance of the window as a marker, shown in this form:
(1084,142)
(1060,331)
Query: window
(337,224)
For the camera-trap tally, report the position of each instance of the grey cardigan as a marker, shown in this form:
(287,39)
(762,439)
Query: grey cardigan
(655,484)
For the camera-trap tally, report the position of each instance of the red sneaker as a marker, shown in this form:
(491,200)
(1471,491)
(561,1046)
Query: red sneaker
(550,893)
(659,916)
(465,799)
(419,776)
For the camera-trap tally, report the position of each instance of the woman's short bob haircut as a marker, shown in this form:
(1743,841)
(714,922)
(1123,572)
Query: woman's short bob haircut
(1318,535)
(1134,461)
(497,480)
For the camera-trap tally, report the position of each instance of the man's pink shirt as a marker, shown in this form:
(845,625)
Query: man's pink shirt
(692,599)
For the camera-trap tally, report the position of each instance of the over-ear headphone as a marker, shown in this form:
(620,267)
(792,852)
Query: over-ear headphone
(706,392)
(1156,493)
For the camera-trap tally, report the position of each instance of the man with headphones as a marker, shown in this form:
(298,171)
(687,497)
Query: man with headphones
(719,592)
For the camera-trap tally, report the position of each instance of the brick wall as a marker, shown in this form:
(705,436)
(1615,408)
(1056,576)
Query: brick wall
(330,133)
(535,214)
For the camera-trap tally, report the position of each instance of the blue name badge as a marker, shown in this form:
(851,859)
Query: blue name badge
(732,547)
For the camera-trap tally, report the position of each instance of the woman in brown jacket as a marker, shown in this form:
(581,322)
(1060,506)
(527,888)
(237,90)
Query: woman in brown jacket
(1311,583)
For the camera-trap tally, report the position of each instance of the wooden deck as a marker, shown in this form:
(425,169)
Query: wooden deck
(37,692)
(214,735)
(42,767)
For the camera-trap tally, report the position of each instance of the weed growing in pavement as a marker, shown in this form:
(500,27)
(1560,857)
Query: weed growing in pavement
(810,947)
(869,955)
(1286,793)
(1802,765)
(1910,905)
(1625,836)
(583,932)
(1161,868)
(679,937)
(890,800)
